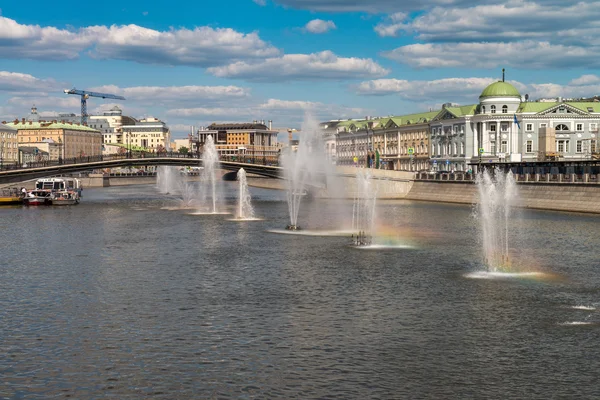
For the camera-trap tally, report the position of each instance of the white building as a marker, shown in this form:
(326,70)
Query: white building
(149,133)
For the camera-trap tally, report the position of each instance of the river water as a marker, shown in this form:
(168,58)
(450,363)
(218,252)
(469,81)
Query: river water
(119,298)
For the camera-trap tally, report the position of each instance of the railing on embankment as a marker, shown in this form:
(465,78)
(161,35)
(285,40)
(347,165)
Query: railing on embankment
(558,193)
(519,178)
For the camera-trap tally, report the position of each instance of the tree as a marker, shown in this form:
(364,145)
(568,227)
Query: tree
(183,150)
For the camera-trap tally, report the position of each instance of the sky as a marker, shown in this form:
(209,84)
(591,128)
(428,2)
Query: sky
(194,63)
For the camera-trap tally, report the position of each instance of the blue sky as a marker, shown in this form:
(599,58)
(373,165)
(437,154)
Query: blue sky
(193,63)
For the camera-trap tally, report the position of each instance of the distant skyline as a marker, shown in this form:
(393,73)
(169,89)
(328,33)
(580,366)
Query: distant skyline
(194,63)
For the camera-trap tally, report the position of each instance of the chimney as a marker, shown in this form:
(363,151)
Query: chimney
(270,124)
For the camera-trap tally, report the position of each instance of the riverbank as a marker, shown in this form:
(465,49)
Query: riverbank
(398,185)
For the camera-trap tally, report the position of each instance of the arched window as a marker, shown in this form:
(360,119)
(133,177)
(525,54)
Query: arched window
(505,109)
(561,127)
(493,108)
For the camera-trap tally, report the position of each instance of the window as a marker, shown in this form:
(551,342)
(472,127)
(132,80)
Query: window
(561,127)
(493,108)
(433,149)
(578,146)
(529,146)
(504,109)
(493,147)
(594,127)
(504,127)
(493,127)
(454,146)
(504,148)
(462,147)
(579,127)
(529,127)
(593,146)
(543,125)
(483,109)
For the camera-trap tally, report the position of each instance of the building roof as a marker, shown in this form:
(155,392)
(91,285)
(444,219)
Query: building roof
(417,118)
(500,89)
(29,125)
(235,126)
(31,150)
(539,106)
(4,128)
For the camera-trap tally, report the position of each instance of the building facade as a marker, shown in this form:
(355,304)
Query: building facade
(75,140)
(252,142)
(9,145)
(150,133)
(111,123)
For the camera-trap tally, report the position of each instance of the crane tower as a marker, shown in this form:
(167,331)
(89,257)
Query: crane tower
(86,95)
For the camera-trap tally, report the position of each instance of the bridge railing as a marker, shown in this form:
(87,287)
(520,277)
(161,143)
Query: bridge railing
(270,161)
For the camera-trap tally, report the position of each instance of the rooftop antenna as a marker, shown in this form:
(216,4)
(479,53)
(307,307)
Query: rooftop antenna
(502,74)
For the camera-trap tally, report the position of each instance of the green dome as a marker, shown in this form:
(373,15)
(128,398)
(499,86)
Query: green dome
(500,89)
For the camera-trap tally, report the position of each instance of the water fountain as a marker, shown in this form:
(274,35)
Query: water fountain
(167,179)
(209,182)
(309,164)
(363,209)
(245,212)
(497,195)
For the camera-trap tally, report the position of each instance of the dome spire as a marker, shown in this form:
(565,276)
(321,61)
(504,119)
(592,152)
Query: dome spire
(502,74)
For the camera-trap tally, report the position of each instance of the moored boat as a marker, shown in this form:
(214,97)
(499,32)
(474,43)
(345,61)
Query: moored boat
(64,198)
(38,197)
(10,196)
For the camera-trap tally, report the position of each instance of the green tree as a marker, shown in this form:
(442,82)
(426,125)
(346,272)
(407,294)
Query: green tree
(183,150)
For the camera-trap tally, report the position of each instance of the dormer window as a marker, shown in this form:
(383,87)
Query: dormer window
(493,108)
(504,109)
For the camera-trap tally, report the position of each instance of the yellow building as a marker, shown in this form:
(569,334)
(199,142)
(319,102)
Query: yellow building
(9,145)
(76,140)
(253,142)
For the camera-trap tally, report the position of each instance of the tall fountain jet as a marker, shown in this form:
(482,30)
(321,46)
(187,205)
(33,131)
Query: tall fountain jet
(244,209)
(210,162)
(363,209)
(497,196)
(168,179)
(306,169)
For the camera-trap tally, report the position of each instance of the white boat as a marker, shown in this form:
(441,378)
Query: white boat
(64,198)
(38,197)
(60,183)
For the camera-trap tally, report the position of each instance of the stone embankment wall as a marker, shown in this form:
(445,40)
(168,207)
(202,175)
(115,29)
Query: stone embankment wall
(558,197)
(388,184)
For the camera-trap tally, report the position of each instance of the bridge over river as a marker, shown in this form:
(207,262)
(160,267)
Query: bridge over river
(21,173)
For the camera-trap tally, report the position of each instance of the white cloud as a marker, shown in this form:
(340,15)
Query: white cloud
(376,6)
(271,109)
(426,90)
(35,42)
(467,90)
(512,20)
(585,80)
(261,2)
(316,66)
(201,46)
(526,54)
(394,23)
(158,94)
(319,26)
(18,82)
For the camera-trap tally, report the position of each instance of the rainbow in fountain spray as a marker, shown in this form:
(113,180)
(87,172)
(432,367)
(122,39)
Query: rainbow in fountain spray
(498,195)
